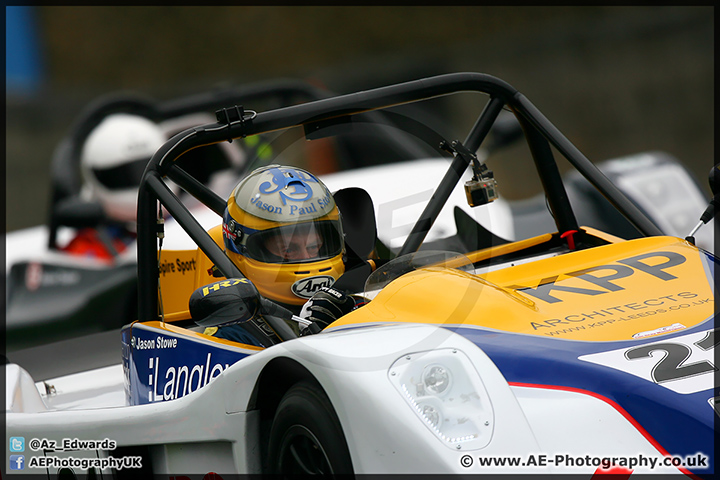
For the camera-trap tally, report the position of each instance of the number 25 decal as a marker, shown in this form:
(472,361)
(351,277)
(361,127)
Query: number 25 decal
(672,365)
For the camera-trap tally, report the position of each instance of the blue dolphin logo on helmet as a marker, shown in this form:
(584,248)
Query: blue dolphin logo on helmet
(289,177)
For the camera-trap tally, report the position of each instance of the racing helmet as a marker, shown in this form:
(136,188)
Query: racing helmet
(282,229)
(113,159)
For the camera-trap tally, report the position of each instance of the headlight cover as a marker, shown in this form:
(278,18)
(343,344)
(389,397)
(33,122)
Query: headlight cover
(447,394)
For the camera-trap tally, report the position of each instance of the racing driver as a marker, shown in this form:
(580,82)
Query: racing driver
(282,229)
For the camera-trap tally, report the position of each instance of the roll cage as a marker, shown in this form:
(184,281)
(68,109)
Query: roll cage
(235,122)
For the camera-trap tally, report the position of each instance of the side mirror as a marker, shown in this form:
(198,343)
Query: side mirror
(225,302)
(714,179)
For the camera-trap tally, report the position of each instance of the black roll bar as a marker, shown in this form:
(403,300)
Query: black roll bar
(452,177)
(255,123)
(550,178)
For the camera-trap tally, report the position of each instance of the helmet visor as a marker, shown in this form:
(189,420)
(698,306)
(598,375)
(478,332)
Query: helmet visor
(296,243)
(124,176)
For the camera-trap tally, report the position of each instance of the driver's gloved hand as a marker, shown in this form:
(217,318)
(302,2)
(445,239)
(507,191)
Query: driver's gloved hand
(324,307)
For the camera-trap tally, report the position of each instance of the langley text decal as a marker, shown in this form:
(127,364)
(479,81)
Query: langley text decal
(176,382)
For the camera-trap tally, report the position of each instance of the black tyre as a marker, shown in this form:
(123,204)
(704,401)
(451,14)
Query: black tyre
(306,436)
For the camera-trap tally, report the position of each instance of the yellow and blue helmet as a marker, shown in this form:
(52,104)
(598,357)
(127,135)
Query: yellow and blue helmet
(282,229)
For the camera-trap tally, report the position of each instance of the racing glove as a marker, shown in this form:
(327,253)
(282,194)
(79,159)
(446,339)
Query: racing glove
(324,307)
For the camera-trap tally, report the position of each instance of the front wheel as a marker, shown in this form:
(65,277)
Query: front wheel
(306,436)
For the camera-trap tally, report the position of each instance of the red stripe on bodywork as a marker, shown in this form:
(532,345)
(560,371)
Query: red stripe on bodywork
(617,407)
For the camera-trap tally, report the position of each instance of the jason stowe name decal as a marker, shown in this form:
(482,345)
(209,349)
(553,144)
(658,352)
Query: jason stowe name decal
(153,343)
(167,367)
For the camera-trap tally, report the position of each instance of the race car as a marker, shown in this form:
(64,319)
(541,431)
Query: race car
(572,351)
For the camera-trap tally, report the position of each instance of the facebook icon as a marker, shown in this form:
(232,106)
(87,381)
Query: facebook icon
(17,462)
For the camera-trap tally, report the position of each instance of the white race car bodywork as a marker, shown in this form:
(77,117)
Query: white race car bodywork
(213,430)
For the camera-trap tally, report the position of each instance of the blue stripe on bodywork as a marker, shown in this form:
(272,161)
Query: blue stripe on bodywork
(682,423)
